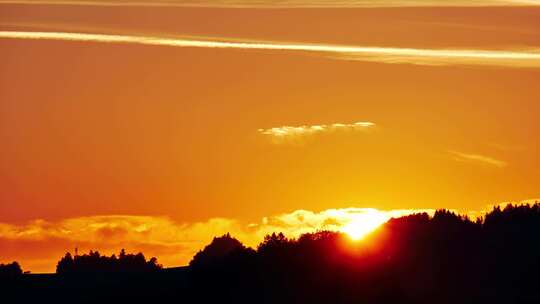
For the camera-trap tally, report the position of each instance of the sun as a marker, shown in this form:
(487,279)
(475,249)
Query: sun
(362,224)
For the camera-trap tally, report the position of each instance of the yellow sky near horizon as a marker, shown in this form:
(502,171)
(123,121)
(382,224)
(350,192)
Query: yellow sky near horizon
(117,117)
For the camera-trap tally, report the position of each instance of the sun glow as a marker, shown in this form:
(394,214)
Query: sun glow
(364,223)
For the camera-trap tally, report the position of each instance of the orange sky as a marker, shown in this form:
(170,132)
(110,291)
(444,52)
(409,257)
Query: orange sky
(115,135)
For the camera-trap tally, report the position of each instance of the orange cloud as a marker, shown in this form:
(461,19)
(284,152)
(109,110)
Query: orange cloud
(39,244)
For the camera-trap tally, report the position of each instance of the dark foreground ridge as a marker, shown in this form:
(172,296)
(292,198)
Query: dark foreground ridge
(446,258)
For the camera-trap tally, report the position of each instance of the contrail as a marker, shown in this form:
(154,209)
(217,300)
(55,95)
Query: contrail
(508,58)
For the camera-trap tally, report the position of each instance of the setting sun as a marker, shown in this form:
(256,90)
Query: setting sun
(364,223)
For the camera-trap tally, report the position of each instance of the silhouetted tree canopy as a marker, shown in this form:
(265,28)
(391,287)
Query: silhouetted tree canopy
(10,270)
(220,249)
(95,262)
(445,258)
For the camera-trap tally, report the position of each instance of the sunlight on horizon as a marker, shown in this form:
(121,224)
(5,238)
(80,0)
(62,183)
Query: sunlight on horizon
(363,224)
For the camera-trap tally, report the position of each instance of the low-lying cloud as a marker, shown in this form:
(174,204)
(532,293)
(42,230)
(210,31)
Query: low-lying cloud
(392,55)
(39,244)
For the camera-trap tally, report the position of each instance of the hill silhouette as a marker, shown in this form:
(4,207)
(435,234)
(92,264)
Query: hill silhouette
(445,258)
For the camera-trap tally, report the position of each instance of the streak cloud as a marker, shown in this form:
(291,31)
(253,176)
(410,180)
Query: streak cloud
(465,157)
(508,58)
(313,129)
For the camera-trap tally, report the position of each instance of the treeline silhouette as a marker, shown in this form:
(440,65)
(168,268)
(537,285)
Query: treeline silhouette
(444,258)
(95,262)
(10,270)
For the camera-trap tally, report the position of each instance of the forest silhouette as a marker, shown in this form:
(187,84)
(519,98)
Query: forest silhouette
(444,258)
(94,262)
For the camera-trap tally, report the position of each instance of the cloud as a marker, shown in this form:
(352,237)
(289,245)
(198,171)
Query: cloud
(279,134)
(38,244)
(464,157)
(285,3)
(354,221)
(503,58)
(530,201)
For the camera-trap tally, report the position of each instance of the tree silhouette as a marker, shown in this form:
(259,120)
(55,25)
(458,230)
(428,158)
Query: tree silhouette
(445,258)
(95,262)
(220,249)
(10,270)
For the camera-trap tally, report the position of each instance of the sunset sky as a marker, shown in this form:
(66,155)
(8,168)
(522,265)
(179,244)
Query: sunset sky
(156,125)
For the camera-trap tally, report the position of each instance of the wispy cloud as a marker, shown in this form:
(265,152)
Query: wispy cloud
(465,157)
(285,3)
(288,132)
(508,58)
